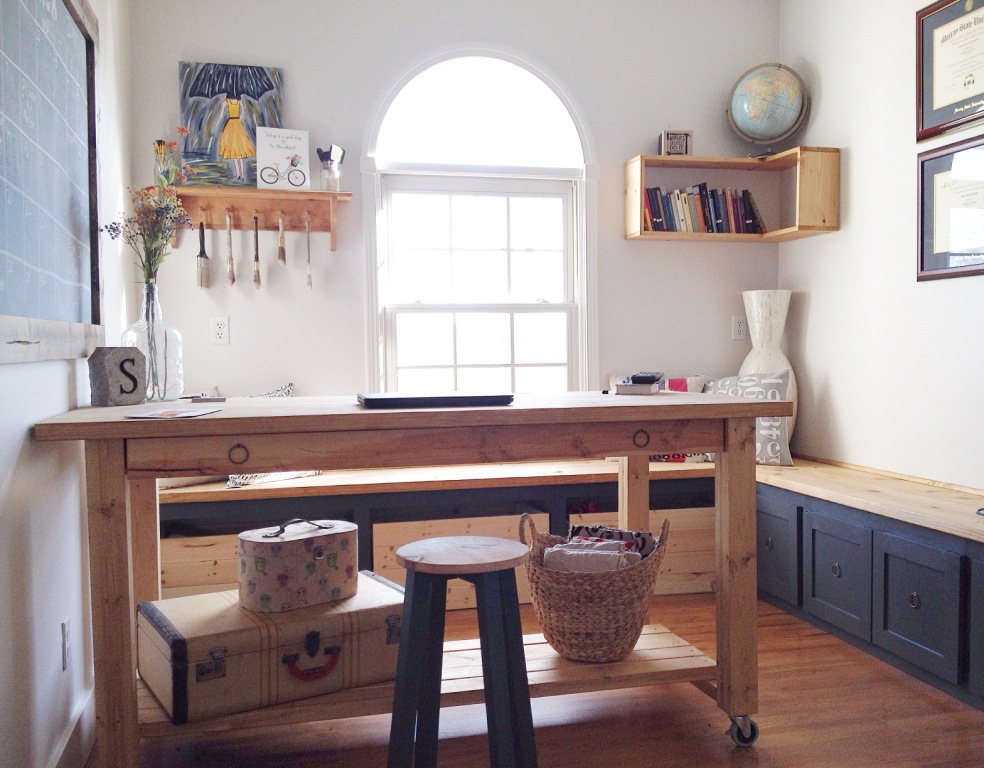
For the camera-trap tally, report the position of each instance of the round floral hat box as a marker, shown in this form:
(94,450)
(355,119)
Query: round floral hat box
(300,563)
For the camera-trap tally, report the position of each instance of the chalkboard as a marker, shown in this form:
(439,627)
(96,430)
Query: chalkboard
(49,257)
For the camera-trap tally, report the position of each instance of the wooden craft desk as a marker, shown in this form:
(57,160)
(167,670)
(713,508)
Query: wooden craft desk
(124,456)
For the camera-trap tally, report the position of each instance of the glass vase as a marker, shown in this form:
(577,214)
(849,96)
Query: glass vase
(161,344)
(330,176)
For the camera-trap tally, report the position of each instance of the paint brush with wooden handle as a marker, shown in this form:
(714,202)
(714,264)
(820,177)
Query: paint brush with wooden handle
(307,229)
(256,250)
(202,257)
(281,250)
(230,265)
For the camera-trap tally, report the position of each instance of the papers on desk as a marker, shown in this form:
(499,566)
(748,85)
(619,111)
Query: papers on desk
(172,413)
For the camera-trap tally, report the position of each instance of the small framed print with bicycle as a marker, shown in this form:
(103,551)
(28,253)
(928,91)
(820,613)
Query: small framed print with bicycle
(282,159)
(951,211)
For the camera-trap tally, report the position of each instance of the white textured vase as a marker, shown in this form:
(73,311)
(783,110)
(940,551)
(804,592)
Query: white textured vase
(766,314)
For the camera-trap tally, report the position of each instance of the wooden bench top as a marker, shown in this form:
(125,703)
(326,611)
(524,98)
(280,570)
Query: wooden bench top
(922,503)
(504,475)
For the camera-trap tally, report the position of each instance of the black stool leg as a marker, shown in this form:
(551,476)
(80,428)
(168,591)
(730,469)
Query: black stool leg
(417,691)
(507,695)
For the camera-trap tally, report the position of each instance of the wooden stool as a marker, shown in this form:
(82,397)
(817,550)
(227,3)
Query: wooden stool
(488,563)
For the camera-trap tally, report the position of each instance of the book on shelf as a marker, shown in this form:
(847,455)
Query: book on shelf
(702,210)
(628,388)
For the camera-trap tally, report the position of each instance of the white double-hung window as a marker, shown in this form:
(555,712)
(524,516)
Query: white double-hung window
(480,277)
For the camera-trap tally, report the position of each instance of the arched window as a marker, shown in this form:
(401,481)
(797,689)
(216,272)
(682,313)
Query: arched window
(480,279)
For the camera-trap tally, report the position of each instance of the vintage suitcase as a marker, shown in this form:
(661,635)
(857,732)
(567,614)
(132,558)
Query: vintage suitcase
(204,655)
(302,562)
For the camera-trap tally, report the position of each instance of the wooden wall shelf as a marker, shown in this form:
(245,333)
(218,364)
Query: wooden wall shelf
(209,204)
(799,191)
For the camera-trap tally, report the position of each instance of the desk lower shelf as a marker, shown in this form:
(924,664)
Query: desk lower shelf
(659,657)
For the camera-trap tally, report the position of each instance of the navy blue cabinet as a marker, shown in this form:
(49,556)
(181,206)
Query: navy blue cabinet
(777,524)
(837,570)
(916,603)
(975,676)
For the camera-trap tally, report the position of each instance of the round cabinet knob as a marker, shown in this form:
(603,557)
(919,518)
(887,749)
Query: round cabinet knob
(769,543)
(836,570)
(914,600)
(239,454)
(640,439)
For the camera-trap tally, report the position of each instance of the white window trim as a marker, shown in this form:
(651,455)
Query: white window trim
(585,224)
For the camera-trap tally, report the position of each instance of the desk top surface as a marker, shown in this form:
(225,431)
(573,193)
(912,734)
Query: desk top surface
(328,414)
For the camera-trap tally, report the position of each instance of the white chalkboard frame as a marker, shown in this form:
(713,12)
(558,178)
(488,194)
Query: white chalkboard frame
(26,339)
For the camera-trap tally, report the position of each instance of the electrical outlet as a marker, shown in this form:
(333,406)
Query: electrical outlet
(739,329)
(219,330)
(65,644)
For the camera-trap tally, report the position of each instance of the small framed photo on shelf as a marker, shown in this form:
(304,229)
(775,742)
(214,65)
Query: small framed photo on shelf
(951,211)
(282,160)
(950,61)
(676,143)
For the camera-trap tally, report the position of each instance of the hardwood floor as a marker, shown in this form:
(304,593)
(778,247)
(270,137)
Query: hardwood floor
(822,703)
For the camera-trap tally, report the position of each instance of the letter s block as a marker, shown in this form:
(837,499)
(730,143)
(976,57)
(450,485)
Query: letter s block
(118,376)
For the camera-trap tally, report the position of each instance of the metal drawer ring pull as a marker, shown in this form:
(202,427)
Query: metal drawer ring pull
(239,454)
(836,570)
(640,439)
(914,600)
(769,543)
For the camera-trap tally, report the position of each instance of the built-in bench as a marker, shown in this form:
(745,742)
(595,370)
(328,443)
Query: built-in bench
(395,506)
(892,564)
(895,565)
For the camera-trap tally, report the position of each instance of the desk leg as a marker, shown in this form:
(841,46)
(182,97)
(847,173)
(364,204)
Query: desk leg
(737,654)
(633,492)
(111,586)
(145,528)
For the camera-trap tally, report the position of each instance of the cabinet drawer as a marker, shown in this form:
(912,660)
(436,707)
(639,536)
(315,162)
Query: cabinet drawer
(837,572)
(916,603)
(975,677)
(777,520)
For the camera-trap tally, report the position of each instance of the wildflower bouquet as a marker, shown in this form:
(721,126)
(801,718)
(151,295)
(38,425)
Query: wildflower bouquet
(157,214)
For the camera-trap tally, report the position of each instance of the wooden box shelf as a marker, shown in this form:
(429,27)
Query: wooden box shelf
(210,204)
(798,191)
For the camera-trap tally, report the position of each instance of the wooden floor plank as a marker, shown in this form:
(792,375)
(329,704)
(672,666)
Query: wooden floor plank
(822,703)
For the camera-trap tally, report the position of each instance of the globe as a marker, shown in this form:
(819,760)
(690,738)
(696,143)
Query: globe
(768,104)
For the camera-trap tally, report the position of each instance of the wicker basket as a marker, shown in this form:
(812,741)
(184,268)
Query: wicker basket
(590,616)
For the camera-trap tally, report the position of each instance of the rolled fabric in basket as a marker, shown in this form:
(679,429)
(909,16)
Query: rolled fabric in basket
(561,558)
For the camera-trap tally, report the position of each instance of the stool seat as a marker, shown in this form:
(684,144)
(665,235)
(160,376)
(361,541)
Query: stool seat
(489,563)
(453,555)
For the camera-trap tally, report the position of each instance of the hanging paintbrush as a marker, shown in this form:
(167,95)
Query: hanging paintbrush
(202,257)
(256,250)
(281,249)
(307,231)
(230,265)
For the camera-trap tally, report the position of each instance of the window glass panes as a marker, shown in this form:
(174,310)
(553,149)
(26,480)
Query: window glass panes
(483,338)
(538,276)
(536,223)
(541,337)
(425,339)
(486,379)
(419,275)
(541,379)
(478,221)
(425,381)
(480,276)
(420,220)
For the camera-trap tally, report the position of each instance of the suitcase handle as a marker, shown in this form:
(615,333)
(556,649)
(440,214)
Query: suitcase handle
(283,527)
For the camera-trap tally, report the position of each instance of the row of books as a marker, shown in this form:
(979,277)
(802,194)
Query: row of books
(699,209)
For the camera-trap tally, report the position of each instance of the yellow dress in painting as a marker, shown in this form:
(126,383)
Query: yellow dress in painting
(234,142)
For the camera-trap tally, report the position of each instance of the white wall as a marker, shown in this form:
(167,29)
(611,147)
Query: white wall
(888,368)
(633,70)
(43,574)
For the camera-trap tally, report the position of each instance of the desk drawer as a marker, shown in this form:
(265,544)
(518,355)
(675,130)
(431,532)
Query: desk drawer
(916,603)
(837,572)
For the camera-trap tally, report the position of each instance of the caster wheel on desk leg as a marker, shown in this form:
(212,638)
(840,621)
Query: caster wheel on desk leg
(744,731)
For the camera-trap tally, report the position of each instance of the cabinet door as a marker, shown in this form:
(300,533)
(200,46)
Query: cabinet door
(777,519)
(975,679)
(916,603)
(837,572)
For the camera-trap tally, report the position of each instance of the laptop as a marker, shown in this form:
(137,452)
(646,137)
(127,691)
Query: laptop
(452,400)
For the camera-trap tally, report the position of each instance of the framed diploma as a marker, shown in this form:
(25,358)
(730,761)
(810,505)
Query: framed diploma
(951,211)
(950,58)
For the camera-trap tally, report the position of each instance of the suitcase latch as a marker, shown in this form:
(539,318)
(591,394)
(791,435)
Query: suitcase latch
(214,669)
(312,643)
